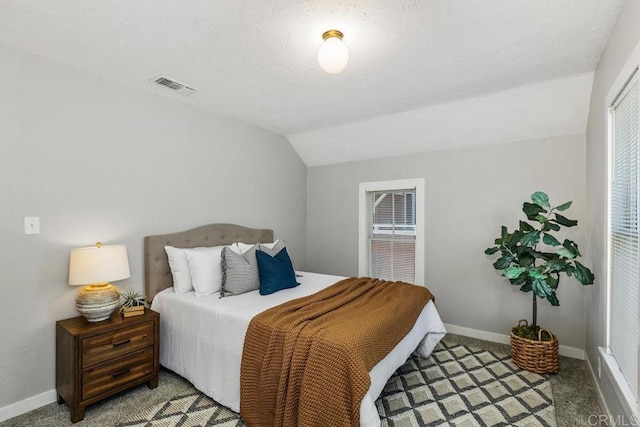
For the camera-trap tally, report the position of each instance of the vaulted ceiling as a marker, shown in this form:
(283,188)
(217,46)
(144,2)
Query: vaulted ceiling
(417,69)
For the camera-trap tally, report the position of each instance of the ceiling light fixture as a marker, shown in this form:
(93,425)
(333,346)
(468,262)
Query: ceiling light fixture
(333,55)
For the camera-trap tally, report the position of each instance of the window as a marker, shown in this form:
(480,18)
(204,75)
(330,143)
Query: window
(391,233)
(623,236)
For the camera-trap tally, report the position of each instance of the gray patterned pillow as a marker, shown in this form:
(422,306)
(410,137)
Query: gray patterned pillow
(239,272)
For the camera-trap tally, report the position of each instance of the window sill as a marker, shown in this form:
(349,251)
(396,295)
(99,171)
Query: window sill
(619,383)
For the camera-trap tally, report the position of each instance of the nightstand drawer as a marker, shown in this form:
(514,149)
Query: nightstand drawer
(113,344)
(98,380)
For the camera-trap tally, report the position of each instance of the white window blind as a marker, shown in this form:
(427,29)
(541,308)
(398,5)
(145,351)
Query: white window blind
(392,235)
(624,253)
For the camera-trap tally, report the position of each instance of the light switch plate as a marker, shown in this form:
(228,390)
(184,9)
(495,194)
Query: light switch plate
(31,225)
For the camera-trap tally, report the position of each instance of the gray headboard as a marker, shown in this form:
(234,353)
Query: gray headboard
(157,274)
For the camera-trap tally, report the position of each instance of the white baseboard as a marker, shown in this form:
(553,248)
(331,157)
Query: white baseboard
(26,405)
(573,352)
(601,400)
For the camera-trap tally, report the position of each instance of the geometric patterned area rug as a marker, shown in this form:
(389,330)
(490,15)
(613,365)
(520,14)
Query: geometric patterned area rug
(465,386)
(457,386)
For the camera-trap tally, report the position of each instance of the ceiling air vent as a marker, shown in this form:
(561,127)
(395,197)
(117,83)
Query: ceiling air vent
(173,85)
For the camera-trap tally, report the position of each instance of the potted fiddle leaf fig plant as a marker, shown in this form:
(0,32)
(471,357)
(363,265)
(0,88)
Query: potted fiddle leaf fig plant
(533,258)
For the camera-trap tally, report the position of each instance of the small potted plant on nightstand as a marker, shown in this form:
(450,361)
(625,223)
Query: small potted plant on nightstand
(133,303)
(533,259)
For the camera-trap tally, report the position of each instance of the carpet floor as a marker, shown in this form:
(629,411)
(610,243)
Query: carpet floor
(408,402)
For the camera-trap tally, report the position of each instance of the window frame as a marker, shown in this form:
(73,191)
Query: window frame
(621,84)
(401,184)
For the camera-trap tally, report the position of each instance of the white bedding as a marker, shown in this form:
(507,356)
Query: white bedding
(201,339)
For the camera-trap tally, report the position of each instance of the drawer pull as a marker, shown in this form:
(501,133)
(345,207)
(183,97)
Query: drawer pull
(121,373)
(118,344)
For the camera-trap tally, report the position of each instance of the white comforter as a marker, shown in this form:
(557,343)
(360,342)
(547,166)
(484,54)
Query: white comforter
(201,339)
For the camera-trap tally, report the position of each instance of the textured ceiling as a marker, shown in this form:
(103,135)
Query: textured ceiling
(255,60)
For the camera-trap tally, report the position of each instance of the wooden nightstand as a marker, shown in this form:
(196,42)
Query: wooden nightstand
(98,360)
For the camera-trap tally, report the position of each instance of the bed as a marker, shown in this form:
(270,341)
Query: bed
(202,338)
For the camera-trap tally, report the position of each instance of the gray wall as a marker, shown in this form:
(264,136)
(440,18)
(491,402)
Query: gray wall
(98,161)
(624,37)
(469,194)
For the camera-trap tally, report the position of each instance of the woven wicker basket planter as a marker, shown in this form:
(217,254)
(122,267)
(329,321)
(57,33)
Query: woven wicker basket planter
(536,356)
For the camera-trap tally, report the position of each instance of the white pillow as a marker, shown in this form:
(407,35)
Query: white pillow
(270,245)
(179,265)
(240,248)
(205,268)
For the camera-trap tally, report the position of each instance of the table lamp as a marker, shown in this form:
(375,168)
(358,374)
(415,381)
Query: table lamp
(96,266)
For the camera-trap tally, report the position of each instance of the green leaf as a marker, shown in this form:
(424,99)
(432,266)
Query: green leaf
(566,253)
(565,221)
(503,232)
(540,198)
(532,210)
(513,272)
(557,264)
(531,239)
(526,287)
(541,288)
(513,239)
(552,226)
(491,251)
(553,299)
(544,255)
(553,282)
(564,206)
(519,280)
(583,274)
(541,219)
(535,274)
(550,240)
(525,227)
(526,259)
(502,262)
(572,246)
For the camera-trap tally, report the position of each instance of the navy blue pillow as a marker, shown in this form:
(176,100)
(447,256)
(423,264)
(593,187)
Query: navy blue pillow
(276,273)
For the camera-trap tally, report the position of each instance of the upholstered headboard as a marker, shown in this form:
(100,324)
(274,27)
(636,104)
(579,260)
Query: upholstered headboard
(157,274)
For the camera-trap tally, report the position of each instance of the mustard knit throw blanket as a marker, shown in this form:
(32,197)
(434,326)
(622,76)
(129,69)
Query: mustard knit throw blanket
(306,362)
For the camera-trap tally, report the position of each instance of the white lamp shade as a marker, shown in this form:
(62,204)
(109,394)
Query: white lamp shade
(333,55)
(98,265)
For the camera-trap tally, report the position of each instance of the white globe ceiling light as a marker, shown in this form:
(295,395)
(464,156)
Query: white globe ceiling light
(333,55)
